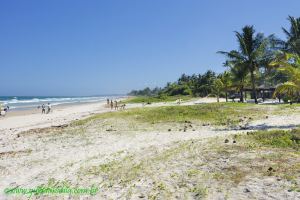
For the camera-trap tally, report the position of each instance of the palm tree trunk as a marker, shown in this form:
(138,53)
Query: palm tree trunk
(253,86)
(226,95)
(242,94)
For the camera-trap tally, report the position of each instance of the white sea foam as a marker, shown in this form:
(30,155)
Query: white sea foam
(25,102)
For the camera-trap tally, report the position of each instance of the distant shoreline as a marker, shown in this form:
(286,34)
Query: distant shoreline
(28,111)
(17,121)
(23,103)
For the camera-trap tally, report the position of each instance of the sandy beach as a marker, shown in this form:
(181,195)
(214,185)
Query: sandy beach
(150,100)
(37,150)
(16,121)
(21,120)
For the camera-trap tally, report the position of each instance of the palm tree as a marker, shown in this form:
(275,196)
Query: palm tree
(289,64)
(218,85)
(251,53)
(226,80)
(292,44)
(238,75)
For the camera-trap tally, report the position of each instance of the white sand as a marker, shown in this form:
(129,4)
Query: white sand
(59,116)
(32,159)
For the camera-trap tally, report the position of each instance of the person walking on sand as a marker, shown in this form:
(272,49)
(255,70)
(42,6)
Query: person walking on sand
(107,102)
(43,109)
(49,108)
(116,105)
(111,105)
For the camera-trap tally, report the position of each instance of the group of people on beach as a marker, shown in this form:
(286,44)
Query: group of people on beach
(115,104)
(49,108)
(110,103)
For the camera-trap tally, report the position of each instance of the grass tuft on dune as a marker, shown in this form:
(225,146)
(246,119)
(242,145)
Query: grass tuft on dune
(195,166)
(278,138)
(213,113)
(156,99)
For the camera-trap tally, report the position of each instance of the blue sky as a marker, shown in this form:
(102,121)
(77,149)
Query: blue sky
(72,47)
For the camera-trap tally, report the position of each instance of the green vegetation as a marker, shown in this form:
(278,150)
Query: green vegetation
(195,85)
(155,99)
(249,67)
(292,44)
(199,169)
(145,92)
(200,191)
(217,87)
(213,113)
(289,64)
(251,54)
(278,138)
(195,168)
(129,168)
(238,78)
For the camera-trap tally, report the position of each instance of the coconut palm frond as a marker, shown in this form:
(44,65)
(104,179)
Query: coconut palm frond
(286,32)
(242,43)
(280,64)
(288,88)
(293,35)
(293,72)
(232,55)
(260,51)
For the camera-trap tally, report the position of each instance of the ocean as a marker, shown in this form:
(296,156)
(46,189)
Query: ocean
(29,102)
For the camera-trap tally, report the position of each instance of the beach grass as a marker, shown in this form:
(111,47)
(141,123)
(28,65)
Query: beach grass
(213,113)
(190,167)
(277,138)
(156,99)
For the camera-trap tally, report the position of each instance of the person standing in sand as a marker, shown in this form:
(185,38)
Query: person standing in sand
(111,104)
(43,109)
(107,102)
(49,108)
(116,105)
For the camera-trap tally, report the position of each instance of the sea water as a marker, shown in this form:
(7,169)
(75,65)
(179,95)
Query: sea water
(29,102)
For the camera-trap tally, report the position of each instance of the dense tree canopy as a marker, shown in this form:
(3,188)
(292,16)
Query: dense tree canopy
(289,64)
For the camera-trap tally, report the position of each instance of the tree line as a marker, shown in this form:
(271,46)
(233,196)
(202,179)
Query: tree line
(259,61)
